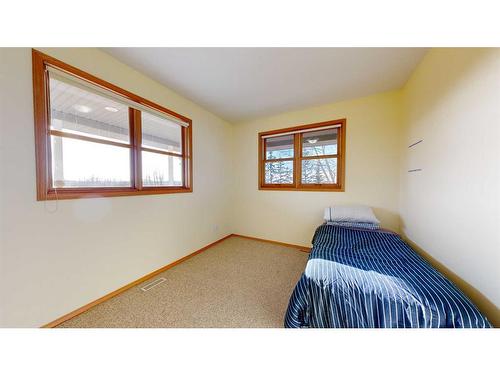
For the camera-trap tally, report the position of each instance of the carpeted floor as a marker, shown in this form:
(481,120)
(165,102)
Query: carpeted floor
(236,283)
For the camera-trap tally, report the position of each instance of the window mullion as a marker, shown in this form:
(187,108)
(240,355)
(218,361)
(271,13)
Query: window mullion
(136,141)
(62,134)
(184,158)
(262,161)
(297,160)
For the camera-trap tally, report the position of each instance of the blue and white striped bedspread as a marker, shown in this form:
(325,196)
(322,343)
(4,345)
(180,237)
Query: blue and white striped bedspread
(372,278)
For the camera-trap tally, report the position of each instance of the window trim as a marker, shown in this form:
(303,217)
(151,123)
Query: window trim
(297,158)
(41,99)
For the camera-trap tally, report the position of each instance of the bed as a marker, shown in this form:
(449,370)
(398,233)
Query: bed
(362,278)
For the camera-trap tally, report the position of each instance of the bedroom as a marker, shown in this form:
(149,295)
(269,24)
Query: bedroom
(241,187)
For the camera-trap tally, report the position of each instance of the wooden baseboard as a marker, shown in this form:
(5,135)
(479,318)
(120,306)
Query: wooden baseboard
(298,247)
(108,296)
(487,307)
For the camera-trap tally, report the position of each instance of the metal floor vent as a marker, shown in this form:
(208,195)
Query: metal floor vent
(152,284)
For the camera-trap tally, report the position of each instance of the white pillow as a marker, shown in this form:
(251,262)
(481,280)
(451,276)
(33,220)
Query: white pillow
(352,213)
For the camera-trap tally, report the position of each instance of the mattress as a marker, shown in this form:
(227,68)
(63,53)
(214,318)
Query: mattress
(359,278)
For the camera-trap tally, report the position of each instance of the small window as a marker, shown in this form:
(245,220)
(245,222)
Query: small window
(95,139)
(279,160)
(308,157)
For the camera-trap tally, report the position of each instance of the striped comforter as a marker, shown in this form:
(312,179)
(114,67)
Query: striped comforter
(372,278)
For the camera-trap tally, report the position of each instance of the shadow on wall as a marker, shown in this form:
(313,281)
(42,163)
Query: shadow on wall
(388,219)
(439,86)
(487,307)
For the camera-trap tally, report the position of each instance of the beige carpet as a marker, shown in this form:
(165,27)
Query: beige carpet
(237,283)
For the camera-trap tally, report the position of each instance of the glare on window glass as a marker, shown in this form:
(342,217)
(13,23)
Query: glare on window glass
(161,170)
(159,133)
(318,143)
(279,147)
(77,111)
(77,163)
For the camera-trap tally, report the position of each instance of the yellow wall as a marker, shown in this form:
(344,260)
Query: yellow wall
(452,208)
(53,263)
(372,170)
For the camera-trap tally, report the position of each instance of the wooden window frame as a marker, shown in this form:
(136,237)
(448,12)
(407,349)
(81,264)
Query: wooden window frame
(297,185)
(41,100)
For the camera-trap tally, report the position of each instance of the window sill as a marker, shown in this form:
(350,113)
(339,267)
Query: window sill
(110,192)
(308,188)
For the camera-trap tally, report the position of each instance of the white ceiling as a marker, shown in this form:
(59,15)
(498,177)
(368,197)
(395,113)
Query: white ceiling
(239,84)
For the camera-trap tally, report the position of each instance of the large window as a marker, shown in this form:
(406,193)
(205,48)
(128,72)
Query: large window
(95,139)
(307,157)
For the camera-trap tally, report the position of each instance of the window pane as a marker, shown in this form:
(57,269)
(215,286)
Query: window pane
(77,111)
(161,134)
(161,170)
(321,142)
(78,163)
(279,147)
(319,171)
(279,172)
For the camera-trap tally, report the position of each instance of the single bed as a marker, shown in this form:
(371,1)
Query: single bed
(360,278)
